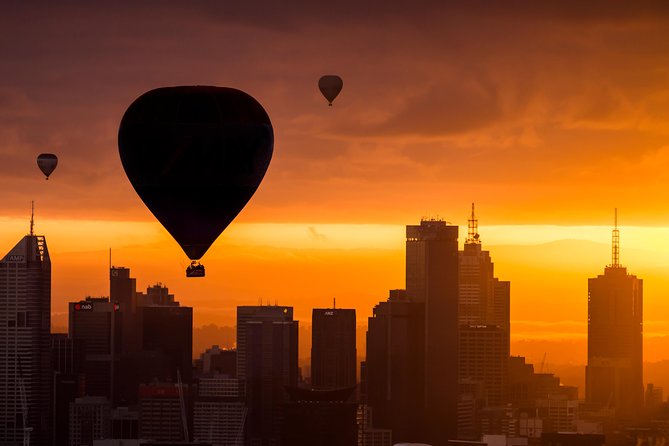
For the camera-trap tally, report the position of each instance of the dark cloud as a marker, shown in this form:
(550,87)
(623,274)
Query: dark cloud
(522,90)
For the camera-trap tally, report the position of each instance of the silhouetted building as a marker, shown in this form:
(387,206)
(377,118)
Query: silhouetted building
(169,331)
(614,374)
(157,294)
(558,412)
(483,299)
(89,420)
(25,354)
(271,313)
(471,399)
(484,355)
(654,396)
(266,362)
(124,423)
(394,367)
(368,435)
(484,333)
(160,338)
(95,325)
(219,412)
(320,417)
(333,351)
(160,412)
(432,278)
(218,360)
(66,362)
(572,439)
(123,291)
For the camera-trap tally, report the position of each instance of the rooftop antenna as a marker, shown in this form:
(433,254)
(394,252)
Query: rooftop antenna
(334,303)
(32,218)
(473,228)
(110,262)
(615,249)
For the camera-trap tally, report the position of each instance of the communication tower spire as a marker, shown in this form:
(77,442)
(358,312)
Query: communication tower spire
(32,218)
(473,228)
(615,248)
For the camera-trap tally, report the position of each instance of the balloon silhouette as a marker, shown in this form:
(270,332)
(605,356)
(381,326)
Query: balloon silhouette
(195,155)
(47,163)
(330,85)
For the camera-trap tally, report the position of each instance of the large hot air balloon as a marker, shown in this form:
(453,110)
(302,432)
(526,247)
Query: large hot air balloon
(330,85)
(47,163)
(195,155)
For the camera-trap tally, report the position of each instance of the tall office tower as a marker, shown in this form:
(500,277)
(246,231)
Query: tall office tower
(89,420)
(168,330)
(66,363)
(432,278)
(123,291)
(484,333)
(394,367)
(219,413)
(615,339)
(484,355)
(96,325)
(25,355)
(161,417)
(160,337)
(266,362)
(333,352)
(483,299)
(256,314)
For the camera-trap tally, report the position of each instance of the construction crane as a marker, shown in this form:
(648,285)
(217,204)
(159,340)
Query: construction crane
(184,420)
(543,362)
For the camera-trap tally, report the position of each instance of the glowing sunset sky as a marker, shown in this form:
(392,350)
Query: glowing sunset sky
(546,114)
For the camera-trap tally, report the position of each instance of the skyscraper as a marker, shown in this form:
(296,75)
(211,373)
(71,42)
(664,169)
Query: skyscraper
(615,338)
(66,362)
(168,330)
(256,314)
(484,316)
(25,350)
(267,363)
(394,367)
(157,336)
(95,325)
(123,291)
(483,299)
(432,278)
(333,353)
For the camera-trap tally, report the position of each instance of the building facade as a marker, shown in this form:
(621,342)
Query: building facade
(614,374)
(25,350)
(266,363)
(333,351)
(432,278)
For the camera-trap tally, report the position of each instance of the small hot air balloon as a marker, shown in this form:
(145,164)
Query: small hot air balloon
(195,155)
(47,163)
(330,86)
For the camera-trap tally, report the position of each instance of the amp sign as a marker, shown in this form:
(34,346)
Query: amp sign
(14,258)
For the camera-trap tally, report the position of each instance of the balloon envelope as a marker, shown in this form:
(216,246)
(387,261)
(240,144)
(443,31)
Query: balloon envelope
(47,163)
(195,155)
(330,85)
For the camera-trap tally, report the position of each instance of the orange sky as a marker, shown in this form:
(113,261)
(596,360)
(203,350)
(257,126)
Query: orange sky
(543,113)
